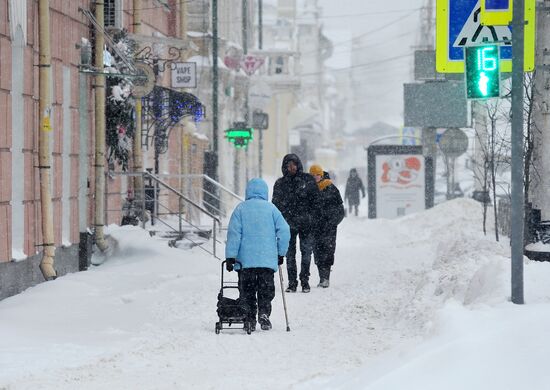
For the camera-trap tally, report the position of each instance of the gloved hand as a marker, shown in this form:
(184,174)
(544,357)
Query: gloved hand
(229,264)
(281,260)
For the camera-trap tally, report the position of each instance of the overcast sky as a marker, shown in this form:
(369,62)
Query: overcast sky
(391,29)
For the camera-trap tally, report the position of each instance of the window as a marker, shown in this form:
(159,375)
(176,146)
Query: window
(112,13)
(279,64)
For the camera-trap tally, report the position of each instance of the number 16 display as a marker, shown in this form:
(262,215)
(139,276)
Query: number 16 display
(482,72)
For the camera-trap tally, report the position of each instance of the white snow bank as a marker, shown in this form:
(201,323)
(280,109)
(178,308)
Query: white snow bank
(475,338)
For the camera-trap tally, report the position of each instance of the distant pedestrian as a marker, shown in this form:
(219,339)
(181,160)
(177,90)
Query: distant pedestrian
(329,213)
(353,186)
(295,195)
(257,236)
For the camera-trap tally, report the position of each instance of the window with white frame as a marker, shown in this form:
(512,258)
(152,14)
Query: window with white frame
(112,13)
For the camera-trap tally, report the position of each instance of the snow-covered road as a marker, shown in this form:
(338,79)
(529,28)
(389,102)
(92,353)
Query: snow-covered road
(145,318)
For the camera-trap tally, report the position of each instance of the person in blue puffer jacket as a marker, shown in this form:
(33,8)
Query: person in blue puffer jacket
(257,237)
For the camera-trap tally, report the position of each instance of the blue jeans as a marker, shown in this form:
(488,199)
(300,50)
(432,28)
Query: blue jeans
(306,248)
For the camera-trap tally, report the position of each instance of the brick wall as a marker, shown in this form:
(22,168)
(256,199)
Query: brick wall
(67,26)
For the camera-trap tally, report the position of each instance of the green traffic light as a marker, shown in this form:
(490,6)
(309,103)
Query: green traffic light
(240,137)
(482,72)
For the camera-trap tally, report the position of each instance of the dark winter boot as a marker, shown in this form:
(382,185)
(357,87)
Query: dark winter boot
(252,322)
(324,283)
(291,288)
(305,287)
(265,324)
(324,275)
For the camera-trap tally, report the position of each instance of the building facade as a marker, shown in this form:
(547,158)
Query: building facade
(163,26)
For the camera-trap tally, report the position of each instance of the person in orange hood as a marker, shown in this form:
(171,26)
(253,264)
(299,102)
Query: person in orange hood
(329,212)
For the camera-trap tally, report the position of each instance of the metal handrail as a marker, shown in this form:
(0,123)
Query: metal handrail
(158,182)
(222,211)
(188,200)
(171,212)
(222,187)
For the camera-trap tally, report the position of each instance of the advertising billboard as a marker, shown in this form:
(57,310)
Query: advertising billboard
(400,180)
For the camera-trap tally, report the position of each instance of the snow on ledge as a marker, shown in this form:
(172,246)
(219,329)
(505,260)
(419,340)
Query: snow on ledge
(538,247)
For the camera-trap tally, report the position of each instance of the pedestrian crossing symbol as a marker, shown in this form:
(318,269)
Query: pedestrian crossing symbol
(474,33)
(482,72)
(458,25)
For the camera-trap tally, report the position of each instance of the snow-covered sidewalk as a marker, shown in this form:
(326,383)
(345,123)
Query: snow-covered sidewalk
(409,299)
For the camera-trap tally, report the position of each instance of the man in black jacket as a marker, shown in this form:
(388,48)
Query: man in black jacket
(295,195)
(329,213)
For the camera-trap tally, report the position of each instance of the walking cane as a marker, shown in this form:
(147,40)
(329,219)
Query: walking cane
(284,300)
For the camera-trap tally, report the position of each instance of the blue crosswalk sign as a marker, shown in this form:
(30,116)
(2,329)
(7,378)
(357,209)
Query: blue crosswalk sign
(458,25)
(459,13)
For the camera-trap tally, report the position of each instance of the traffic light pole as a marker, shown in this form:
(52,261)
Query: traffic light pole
(517,206)
(260,46)
(215,86)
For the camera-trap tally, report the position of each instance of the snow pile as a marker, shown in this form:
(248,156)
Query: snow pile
(467,266)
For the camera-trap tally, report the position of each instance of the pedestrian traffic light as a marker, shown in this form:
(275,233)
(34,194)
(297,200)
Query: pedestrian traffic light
(240,137)
(482,72)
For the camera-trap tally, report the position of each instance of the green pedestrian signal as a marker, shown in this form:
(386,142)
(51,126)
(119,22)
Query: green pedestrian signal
(482,72)
(240,135)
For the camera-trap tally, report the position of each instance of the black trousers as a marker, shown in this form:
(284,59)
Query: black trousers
(257,288)
(351,206)
(324,248)
(306,248)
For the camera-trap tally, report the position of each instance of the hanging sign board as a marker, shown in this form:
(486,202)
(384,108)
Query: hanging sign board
(184,75)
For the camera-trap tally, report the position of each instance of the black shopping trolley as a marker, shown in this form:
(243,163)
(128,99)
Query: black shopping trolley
(231,311)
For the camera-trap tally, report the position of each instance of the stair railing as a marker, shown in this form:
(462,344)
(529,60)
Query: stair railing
(224,206)
(161,209)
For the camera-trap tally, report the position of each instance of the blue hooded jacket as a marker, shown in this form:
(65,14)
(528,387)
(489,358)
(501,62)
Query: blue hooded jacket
(257,231)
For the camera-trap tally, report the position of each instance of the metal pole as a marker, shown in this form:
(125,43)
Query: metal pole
(215,87)
(155,202)
(260,46)
(179,215)
(142,190)
(137,151)
(284,299)
(214,237)
(261,154)
(245,25)
(517,217)
(246,107)
(260,24)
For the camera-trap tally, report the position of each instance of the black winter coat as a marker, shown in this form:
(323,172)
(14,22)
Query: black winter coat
(329,208)
(353,186)
(296,195)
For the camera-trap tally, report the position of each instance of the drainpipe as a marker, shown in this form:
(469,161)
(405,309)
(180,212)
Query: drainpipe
(48,254)
(99,130)
(183,20)
(137,150)
(184,138)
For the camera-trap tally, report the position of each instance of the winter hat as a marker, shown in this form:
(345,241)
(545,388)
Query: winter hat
(316,170)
